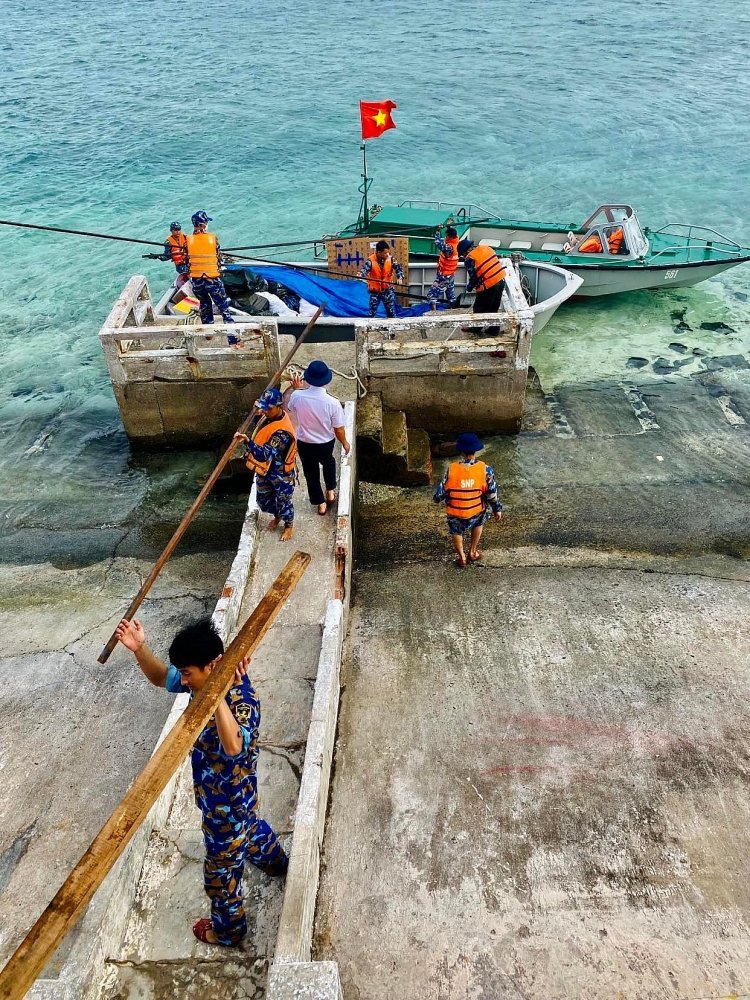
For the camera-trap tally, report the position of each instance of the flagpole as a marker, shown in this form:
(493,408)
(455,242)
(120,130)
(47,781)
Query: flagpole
(365,210)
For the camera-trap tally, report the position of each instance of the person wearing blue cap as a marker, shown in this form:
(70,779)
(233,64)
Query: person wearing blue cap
(271,454)
(469,491)
(320,421)
(203,252)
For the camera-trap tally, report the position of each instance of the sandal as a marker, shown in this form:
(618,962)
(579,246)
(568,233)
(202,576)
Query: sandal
(324,511)
(461,563)
(477,556)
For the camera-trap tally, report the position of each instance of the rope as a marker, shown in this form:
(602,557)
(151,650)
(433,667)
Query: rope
(361,390)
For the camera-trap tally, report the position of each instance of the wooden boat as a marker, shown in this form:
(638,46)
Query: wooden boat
(675,256)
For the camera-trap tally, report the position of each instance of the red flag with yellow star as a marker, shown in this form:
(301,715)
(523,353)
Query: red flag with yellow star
(376,118)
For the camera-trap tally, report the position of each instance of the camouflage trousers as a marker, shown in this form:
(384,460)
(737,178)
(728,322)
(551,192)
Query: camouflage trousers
(233,834)
(443,283)
(388,298)
(210,292)
(275,496)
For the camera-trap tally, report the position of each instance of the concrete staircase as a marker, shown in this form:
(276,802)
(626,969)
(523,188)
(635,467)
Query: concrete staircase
(387,450)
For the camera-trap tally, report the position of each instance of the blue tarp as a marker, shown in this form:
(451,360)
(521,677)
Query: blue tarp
(342,297)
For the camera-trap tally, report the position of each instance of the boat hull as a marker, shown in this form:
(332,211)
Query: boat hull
(598,281)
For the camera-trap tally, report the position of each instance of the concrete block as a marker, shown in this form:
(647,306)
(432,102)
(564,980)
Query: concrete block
(395,440)
(304,981)
(419,468)
(370,417)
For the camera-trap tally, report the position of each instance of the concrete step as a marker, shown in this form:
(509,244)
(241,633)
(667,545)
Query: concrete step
(419,459)
(370,417)
(395,436)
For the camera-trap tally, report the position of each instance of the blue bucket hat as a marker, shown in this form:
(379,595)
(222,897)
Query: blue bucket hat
(200,219)
(175,225)
(317,373)
(464,246)
(468,444)
(270,398)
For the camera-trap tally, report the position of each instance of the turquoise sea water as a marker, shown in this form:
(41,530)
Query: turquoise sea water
(120,117)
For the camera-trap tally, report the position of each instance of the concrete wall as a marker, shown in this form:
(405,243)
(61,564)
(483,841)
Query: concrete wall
(179,384)
(446,380)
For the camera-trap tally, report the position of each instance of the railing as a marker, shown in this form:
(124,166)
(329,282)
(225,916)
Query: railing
(698,243)
(460,210)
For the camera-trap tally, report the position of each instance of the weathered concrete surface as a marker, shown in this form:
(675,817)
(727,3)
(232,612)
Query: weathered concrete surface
(75,732)
(160,957)
(541,784)
(556,793)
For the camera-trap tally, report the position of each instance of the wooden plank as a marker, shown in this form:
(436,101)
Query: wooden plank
(47,933)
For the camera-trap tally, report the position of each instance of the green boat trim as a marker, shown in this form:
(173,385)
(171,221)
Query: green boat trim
(675,255)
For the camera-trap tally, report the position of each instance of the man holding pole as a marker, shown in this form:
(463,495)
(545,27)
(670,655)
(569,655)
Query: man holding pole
(271,453)
(224,762)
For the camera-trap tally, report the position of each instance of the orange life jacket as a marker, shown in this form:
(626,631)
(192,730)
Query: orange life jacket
(448,265)
(203,255)
(487,267)
(591,245)
(380,278)
(178,248)
(466,487)
(263,434)
(615,240)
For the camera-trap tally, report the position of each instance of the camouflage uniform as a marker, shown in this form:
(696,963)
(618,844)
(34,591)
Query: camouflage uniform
(458,525)
(276,488)
(387,296)
(208,289)
(443,282)
(226,792)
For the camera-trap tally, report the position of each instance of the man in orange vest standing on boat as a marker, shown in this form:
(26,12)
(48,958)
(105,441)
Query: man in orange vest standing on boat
(380,269)
(469,492)
(205,273)
(485,274)
(444,283)
(175,248)
(271,454)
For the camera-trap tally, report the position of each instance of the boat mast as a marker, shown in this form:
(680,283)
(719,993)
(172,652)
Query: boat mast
(364,213)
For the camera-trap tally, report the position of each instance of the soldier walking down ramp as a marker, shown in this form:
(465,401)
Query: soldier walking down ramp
(224,762)
(468,489)
(271,454)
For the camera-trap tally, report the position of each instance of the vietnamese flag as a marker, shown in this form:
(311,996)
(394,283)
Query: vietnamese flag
(376,118)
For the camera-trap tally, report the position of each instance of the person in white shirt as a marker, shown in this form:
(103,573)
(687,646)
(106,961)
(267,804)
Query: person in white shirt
(319,419)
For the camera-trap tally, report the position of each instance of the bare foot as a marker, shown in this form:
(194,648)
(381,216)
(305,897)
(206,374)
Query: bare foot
(287,533)
(322,508)
(274,524)
(330,496)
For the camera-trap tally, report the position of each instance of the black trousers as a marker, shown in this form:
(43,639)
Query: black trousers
(489,300)
(312,457)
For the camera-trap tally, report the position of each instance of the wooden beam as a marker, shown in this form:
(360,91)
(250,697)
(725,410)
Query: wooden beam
(48,932)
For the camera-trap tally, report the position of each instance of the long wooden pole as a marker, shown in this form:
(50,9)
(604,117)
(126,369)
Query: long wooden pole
(45,936)
(197,503)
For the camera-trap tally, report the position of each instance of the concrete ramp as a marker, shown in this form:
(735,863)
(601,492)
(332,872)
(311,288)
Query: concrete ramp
(136,941)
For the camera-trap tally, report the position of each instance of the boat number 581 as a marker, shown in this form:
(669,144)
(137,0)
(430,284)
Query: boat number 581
(668,275)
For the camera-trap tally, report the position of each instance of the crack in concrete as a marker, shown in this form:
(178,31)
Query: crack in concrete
(278,751)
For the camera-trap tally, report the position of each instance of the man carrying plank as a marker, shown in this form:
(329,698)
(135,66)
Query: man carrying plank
(224,761)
